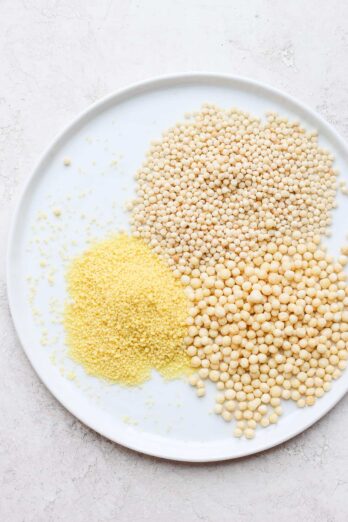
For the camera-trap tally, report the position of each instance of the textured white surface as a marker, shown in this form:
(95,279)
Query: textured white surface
(57,57)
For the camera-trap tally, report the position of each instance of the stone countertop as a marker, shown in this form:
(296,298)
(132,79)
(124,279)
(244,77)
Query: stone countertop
(57,57)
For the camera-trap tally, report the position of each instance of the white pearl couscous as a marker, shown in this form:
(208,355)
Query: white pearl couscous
(223,184)
(238,207)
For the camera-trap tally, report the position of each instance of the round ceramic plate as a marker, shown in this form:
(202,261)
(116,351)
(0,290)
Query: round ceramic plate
(63,207)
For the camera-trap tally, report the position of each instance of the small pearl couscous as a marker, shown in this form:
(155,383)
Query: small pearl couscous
(226,186)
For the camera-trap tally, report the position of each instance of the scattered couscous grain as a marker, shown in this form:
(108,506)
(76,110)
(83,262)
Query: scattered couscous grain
(128,313)
(57,212)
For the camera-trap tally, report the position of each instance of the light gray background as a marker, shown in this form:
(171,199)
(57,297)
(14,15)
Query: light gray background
(56,58)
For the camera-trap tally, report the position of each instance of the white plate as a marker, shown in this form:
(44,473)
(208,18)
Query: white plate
(159,418)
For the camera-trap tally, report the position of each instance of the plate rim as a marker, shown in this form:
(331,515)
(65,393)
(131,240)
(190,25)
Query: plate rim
(141,444)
